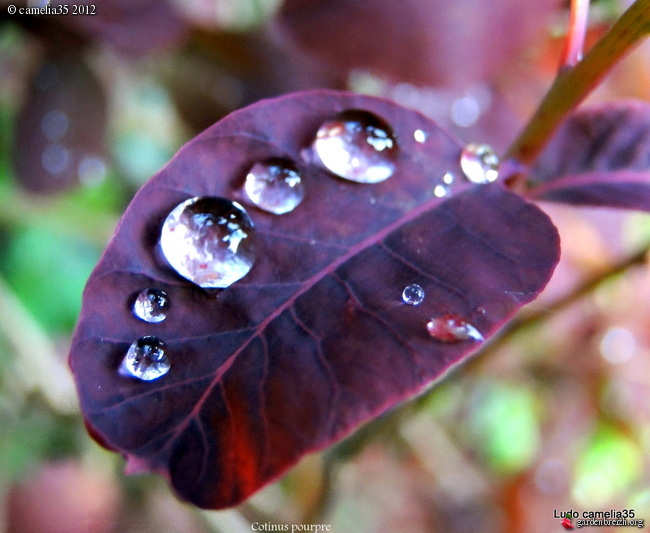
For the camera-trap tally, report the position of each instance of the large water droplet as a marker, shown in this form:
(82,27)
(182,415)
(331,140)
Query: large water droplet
(479,163)
(452,328)
(151,305)
(146,359)
(358,146)
(209,241)
(275,185)
(413,294)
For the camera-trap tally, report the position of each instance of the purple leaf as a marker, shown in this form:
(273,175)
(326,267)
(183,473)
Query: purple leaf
(433,42)
(317,338)
(61,128)
(600,156)
(136,27)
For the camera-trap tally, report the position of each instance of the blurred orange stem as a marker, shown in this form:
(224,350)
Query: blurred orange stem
(573,84)
(576,34)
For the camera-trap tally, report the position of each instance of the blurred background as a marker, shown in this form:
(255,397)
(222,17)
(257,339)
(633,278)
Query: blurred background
(553,415)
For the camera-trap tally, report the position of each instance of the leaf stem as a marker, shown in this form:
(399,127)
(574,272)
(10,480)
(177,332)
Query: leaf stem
(39,364)
(572,85)
(576,34)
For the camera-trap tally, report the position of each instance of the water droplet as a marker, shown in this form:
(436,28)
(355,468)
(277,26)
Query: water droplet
(358,146)
(479,163)
(54,124)
(146,359)
(413,294)
(440,191)
(420,136)
(209,241)
(275,185)
(452,328)
(151,305)
(448,178)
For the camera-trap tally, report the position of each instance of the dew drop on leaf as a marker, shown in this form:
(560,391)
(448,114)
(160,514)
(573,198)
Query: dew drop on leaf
(413,294)
(146,359)
(275,185)
(479,163)
(452,328)
(420,136)
(209,241)
(151,305)
(440,191)
(358,146)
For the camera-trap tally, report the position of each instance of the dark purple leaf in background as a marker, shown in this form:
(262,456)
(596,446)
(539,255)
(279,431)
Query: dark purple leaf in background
(431,42)
(221,71)
(61,127)
(600,156)
(316,339)
(135,27)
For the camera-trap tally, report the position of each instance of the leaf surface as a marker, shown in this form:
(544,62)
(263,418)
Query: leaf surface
(316,339)
(600,156)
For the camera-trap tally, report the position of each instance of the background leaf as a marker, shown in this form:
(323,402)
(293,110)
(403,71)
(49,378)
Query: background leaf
(411,40)
(599,156)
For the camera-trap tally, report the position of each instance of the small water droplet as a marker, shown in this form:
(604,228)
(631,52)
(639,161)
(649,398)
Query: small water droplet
(448,178)
(479,163)
(420,136)
(275,186)
(413,294)
(358,146)
(151,305)
(146,359)
(209,241)
(440,191)
(452,328)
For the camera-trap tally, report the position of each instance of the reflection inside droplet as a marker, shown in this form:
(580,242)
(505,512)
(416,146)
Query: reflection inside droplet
(209,241)
(54,124)
(55,158)
(275,185)
(146,359)
(413,294)
(151,305)
(452,328)
(358,146)
(480,163)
